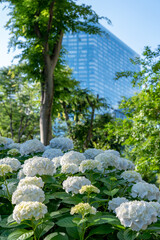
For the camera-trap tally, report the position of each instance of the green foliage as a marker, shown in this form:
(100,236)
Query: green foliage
(19,102)
(81,110)
(139,132)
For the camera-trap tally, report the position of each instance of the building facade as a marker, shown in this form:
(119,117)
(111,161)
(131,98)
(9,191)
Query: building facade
(95,60)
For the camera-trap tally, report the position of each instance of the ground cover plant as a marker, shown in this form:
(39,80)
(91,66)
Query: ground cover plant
(53,192)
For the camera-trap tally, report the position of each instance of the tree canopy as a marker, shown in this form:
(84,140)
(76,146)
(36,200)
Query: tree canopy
(37,27)
(140,131)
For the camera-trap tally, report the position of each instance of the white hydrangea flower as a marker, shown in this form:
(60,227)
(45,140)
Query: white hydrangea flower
(91,153)
(116,202)
(52,153)
(83,209)
(21,174)
(13,152)
(90,165)
(29,210)
(89,189)
(3,141)
(9,141)
(63,143)
(31,146)
(74,184)
(145,191)
(13,162)
(11,187)
(4,169)
(108,159)
(156,205)
(38,166)
(37,181)
(14,145)
(70,168)
(28,193)
(125,164)
(56,161)
(132,176)
(72,157)
(47,147)
(136,214)
(116,153)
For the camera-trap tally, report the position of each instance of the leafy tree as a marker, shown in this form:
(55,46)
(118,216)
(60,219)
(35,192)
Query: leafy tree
(82,112)
(19,102)
(140,131)
(37,27)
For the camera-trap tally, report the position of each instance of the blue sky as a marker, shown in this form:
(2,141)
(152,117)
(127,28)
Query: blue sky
(136,22)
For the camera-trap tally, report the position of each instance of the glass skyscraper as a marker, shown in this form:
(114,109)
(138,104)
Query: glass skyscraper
(95,60)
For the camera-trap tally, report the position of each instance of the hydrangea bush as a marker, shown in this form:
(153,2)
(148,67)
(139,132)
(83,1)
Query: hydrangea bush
(61,194)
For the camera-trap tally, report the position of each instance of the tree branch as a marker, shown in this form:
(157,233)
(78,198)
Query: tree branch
(50,17)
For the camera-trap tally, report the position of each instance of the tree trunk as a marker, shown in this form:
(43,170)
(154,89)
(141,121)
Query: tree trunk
(47,89)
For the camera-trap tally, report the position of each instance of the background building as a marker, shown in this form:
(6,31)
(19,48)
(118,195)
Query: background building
(95,60)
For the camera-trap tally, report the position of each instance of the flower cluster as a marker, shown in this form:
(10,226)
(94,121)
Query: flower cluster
(83,209)
(31,146)
(136,214)
(29,210)
(90,165)
(124,164)
(89,189)
(56,161)
(52,153)
(13,162)
(37,181)
(38,166)
(21,174)
(116,202)
(72,157)
(131,176)
(91,153)
(28,193)
(13,152)
(116,153)
(14,145)
(3,141)
(4,169)
(107,159)
(145,190)
(69,168)
(63,143)
(74,184)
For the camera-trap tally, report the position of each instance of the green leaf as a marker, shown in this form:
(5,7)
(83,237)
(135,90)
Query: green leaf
(66,222)
(20,234)
(48,179)
(59,212)
(104,229)
(72,200)
(73,232)
(60,195)
(78,221)
(57,236)
(120,236)
(130,235)
(144,236)
(43,228)
(110,219)
(111,193)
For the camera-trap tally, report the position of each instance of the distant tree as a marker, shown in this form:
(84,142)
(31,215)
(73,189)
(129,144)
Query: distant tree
(19,103)
(37,27)
(140,131)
